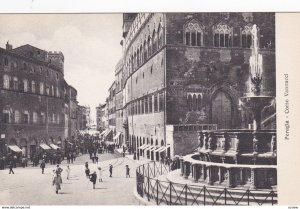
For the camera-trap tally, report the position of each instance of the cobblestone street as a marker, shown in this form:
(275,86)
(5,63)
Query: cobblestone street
(29,186)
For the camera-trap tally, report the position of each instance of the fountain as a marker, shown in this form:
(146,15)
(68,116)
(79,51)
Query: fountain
(241,158)
(254,100)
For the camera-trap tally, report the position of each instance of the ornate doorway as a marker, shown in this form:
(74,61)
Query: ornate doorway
(221,110)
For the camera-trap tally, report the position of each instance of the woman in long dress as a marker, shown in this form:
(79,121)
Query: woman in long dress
(57,181)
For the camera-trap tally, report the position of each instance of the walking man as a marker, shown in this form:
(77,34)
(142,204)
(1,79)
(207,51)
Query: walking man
(11,165)
(127,171)
(93,179)
(58,170)
(57,181)
(43,165)
(110,170)
(97,158)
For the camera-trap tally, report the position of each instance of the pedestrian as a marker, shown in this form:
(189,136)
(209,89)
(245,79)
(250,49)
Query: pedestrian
(86,165)
(23,161)
(100,174)
(97,158)
(58,170)
(72,158)
(93,179)
(127,171)
(11,165)
(110,170)
(68,171)
(68,158)
(123,154)
(87,172)
(57,181)
(43,165)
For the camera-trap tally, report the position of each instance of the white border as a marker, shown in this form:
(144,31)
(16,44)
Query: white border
(115,6)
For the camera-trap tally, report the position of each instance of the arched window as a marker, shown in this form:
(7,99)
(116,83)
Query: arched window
(141,55)
(150,104)
(193,34)
(146,105)
(145,51)
(246,36)
(194,102)
(161,101)
(34,117)
(149,47)
(151,141)
(33,86)
(222,36)
(138,58)
(156,142)
(17,116)
(190,102)
(41,88)
(154,42)
(15,83)
(160,36)
(57,92)
(6,81)
(25,116)
(25,85)
(147,141)
(162,142)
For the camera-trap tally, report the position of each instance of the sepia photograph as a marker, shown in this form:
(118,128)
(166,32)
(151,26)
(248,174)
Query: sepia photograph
(138,109)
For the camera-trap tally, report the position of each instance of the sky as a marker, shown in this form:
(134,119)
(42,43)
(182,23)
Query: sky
(90,44)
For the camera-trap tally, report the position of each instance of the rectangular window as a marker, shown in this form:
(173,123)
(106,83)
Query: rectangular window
(187,38)
(41,88)
(216,40)
(150,104)
(17,116)
(142,103)
(146,105)
(43,118)
(199,39)
(25,118)
(193,39)
(161,102)
(249,41)
(5,117)
(226,40)
(155,103)
(222,40)
(34,117)
(244,41)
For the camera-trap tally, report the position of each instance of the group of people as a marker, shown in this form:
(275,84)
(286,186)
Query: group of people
(93,177)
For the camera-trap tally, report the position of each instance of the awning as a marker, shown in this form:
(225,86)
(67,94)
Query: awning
(108,132)
(143,146)
(148,148)
(70,143)
(165,148)
(15,148)
(44,146)
(117,135)
(103,132)
(159,149)
(53,146)
(153,148)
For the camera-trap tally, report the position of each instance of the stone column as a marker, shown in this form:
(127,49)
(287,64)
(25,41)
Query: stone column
(229,173)
(253,178)
(195,172)
(241,176)
(209,176)
(181,167)
(220,175)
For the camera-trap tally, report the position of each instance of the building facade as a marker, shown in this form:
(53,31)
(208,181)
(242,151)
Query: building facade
(183,72)
(33,100)
(101,117)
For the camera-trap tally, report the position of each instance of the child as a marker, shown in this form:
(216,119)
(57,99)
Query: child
(127,171)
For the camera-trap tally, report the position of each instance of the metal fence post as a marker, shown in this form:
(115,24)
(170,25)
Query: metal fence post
(157,191)
(186,194)
(248,196)
(204,193)
(170,193)
(154,169)
(272,197)
(148,189)
(225,190)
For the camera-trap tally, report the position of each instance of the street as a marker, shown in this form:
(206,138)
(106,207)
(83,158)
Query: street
(28,186)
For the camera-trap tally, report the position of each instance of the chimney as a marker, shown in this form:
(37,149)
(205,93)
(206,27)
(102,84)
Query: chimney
(8,46)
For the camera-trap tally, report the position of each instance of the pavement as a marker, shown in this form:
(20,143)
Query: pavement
(28,186)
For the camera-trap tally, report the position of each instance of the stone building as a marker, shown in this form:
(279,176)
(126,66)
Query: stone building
(101,117)
(81,117)
(33,100)
(184,72)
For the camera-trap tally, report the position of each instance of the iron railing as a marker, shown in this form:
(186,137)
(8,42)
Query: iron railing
(153,188)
